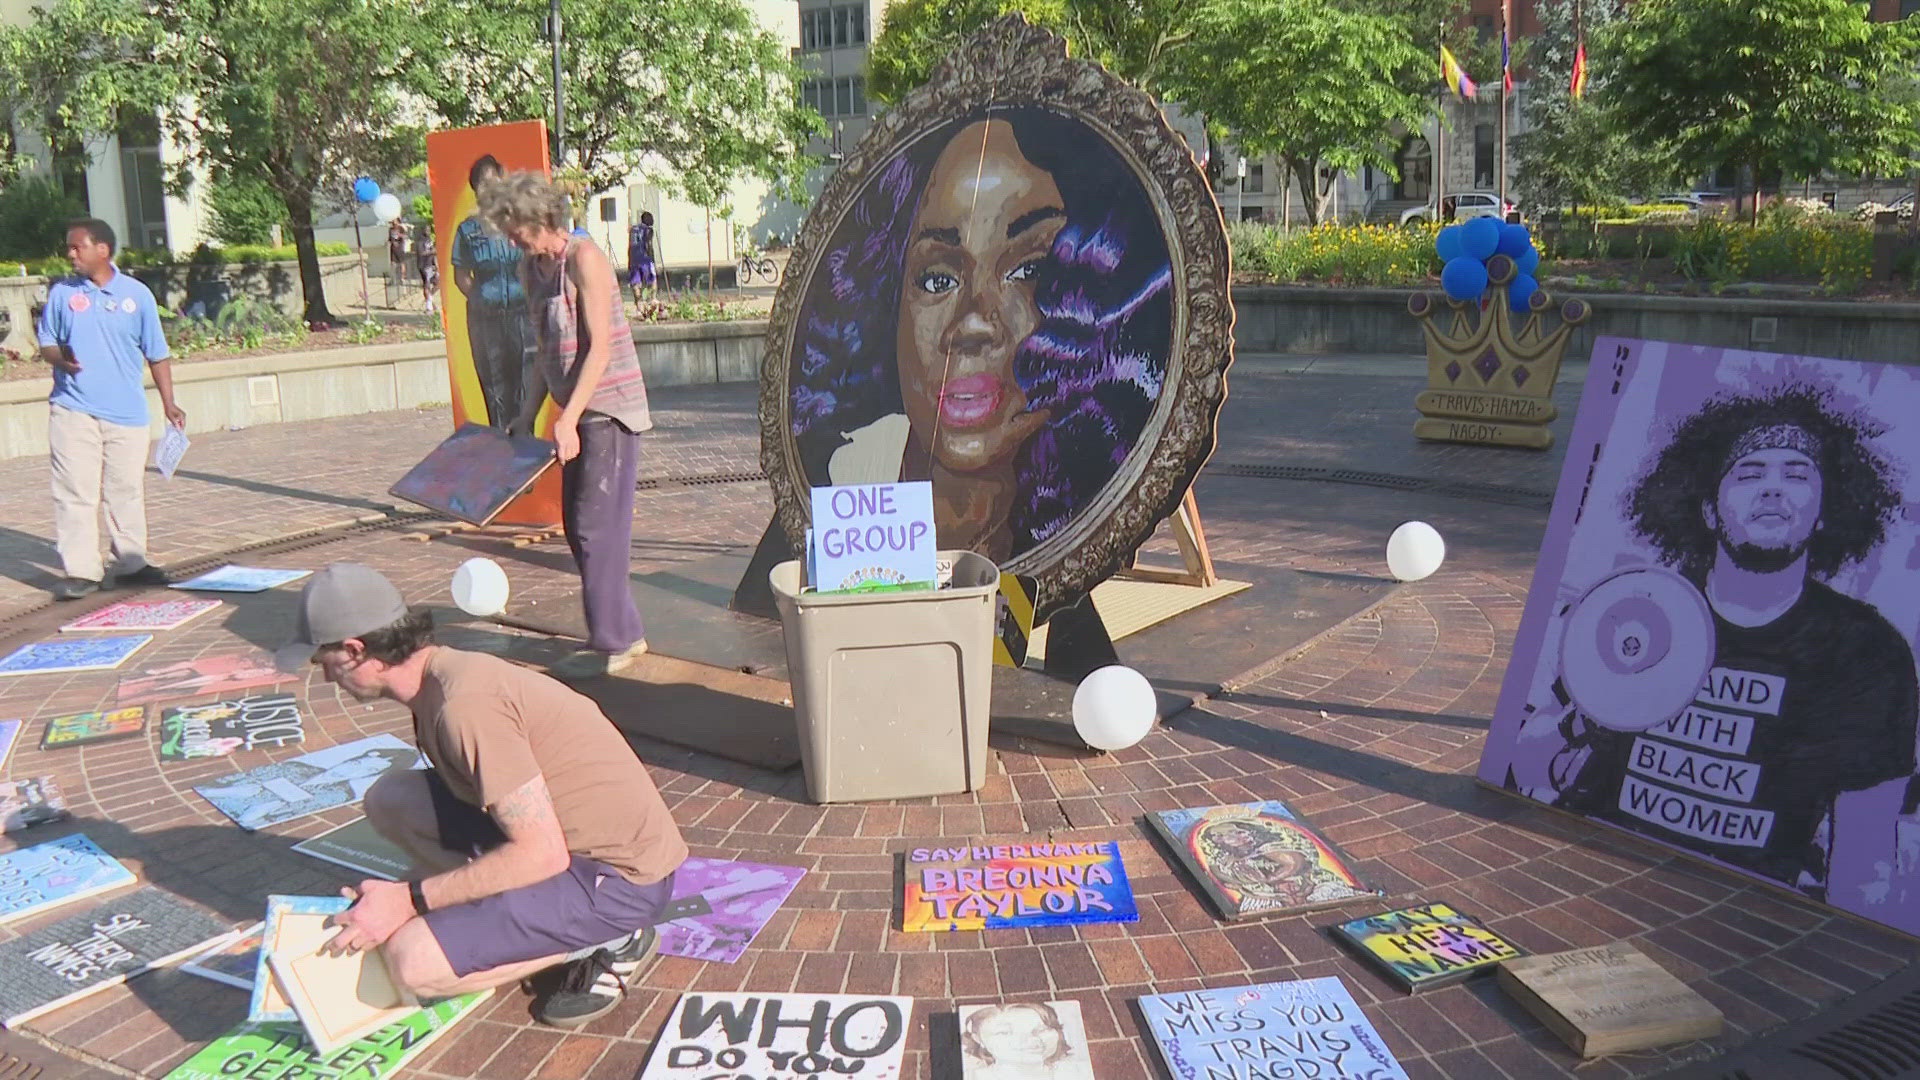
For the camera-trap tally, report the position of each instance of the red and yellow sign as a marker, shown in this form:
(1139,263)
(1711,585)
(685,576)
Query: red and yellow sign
(451,158)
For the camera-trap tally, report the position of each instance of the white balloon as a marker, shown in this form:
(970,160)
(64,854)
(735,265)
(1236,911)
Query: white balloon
(480,588)
(1415,551)
(386,207)
(1114,707)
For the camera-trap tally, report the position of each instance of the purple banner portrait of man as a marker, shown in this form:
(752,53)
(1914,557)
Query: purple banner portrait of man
(1718,649)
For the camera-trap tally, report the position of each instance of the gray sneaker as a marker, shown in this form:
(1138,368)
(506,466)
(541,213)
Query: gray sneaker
(75,588)
(594,664)
(594,985)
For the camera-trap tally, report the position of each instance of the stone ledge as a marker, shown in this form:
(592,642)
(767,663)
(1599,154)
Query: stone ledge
(349,380)
(237,367)
(1849,309)
(647,333)
(1280,319)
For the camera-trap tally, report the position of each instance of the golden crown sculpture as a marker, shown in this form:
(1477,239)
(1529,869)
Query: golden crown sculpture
(1486,381)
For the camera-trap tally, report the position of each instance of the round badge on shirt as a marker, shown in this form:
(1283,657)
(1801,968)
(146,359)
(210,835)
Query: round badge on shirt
(79,302)
(128,305)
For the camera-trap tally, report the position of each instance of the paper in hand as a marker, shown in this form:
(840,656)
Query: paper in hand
(169,450)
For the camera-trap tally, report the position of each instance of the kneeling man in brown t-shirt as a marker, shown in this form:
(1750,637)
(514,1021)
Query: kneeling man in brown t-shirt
(547,841)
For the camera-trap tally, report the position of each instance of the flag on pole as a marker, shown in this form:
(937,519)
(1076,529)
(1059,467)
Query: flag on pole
(1579,87)
(1455,76)
(1506,53)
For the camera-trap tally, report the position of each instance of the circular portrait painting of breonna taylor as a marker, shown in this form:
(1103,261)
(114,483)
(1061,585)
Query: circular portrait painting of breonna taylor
(1016,288)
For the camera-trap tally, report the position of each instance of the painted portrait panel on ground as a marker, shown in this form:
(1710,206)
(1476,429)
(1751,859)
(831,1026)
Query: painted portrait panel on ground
(1015,288)
(485,312)
(1717,651)
(476,473)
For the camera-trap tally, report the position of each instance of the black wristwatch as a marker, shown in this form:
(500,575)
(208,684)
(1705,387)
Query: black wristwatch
(419,897)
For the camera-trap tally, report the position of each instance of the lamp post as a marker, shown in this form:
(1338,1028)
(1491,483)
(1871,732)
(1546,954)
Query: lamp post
(559,95)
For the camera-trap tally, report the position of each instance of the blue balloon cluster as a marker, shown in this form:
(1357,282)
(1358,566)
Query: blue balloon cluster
(365,189)
(1465,248)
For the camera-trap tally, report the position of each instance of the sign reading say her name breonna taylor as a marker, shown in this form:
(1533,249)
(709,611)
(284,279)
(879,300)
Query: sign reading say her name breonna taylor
(1037,883)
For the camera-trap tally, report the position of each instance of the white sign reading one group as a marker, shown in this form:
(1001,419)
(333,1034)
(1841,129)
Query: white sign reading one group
(872,534)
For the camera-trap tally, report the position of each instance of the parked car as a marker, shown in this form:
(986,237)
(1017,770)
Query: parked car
(1692,200)
(1462,206)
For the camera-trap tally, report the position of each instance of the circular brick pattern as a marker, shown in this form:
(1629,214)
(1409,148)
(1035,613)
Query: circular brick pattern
(1372,732)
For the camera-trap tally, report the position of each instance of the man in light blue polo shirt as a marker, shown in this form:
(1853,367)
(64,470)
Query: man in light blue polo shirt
(99,331)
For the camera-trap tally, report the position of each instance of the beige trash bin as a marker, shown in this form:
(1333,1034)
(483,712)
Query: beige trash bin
(891,690)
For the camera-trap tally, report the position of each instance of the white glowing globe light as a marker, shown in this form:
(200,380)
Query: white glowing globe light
(1415,551)
(1114,708)
(480,588)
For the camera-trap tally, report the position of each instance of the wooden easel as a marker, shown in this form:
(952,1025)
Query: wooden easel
(1192,540)
(517,535)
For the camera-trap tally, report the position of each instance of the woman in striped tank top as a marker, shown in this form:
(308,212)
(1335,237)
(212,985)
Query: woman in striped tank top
(584,359)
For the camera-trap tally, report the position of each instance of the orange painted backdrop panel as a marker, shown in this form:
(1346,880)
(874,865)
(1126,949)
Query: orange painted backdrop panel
(450,154)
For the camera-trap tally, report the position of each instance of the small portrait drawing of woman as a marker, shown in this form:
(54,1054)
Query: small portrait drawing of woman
(1025,1041)
(994,314)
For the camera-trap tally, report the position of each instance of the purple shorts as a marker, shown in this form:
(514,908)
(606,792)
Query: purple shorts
(587,904)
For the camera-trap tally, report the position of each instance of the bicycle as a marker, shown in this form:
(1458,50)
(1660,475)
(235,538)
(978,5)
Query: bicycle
(755,263)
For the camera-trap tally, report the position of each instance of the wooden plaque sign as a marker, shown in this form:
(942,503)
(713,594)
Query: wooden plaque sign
(1608,999)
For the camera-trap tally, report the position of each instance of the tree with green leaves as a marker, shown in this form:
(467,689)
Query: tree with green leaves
(694,93)
(916,34)
(297,95)
(1430,24)
(71,72)
(302,95)
(1575,152)
(1787,89)
(1136,40)
(1317,87)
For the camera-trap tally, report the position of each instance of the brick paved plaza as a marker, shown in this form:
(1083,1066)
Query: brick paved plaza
(1373,731)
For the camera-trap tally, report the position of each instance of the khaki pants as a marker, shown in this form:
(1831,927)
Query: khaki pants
(95,462)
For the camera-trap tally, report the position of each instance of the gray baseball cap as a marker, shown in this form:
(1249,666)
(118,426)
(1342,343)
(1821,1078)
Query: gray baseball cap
(345,600)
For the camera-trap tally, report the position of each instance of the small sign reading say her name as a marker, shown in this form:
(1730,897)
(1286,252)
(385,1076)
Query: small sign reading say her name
(873,534)
(782,1037)
(98,948)
(1305,1028)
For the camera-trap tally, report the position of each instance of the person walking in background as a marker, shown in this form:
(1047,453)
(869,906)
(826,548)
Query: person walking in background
(584,358)
(397,255)
(100,328)
(428,253)
(486,270)
(640,269)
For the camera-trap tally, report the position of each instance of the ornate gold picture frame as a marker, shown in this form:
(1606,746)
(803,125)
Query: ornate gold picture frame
(1016,286)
